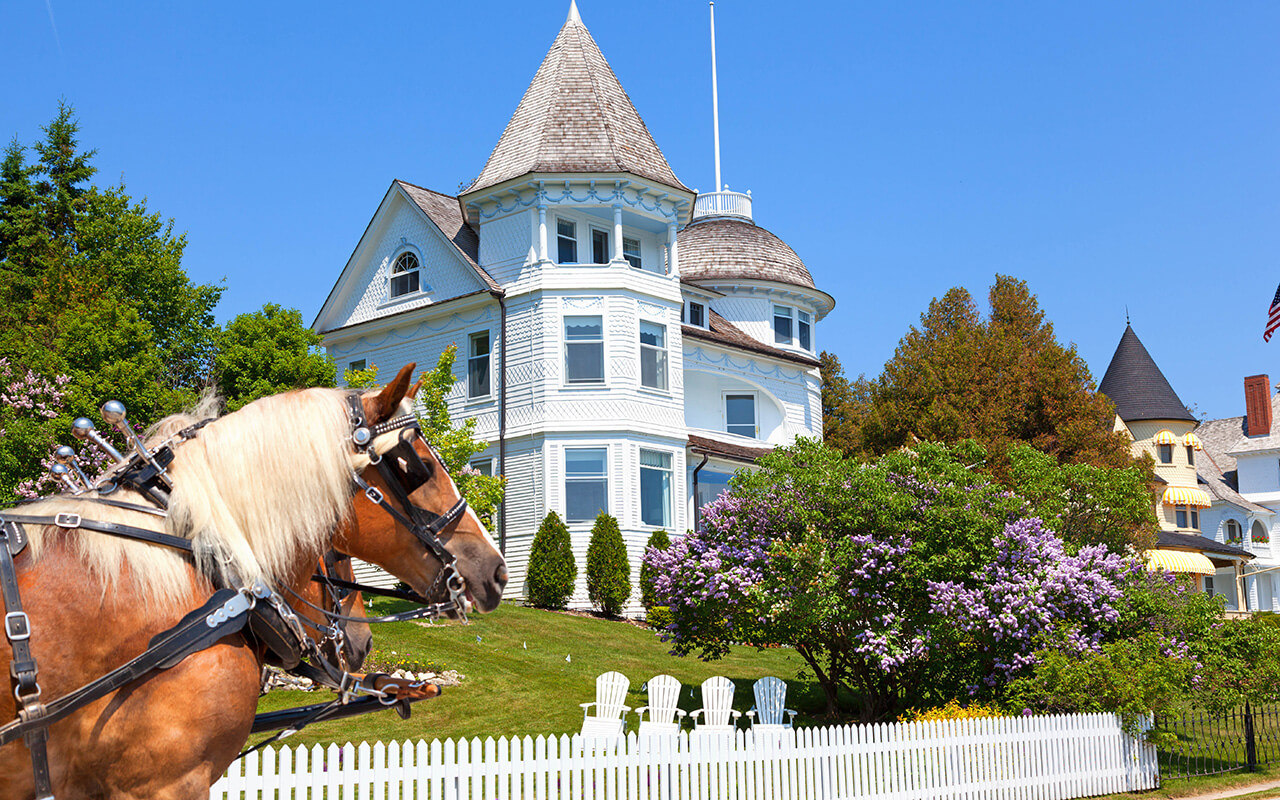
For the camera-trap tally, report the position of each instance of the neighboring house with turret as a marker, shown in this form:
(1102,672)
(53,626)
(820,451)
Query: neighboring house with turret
(1241,471)
(624,344)
(1149,411)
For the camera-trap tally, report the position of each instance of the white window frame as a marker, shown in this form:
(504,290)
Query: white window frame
(755,411)
(660,353)
(416,272)
(670,472)
(688,315)
(636,253)
(586,478)
(1226,532)
(804,325)
(486,357)
(592,232)
(482,464)
(358,365)
(568,343)
(560,237)
(790,317)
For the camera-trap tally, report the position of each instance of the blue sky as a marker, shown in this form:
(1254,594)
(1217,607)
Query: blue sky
(1112,155)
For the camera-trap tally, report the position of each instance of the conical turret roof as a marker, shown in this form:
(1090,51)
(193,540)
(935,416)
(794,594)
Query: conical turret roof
(1137,387)
(575,117)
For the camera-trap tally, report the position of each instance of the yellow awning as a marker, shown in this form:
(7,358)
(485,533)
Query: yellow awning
(1165,437)
(1191,440)
(1178,496)
(1179,561)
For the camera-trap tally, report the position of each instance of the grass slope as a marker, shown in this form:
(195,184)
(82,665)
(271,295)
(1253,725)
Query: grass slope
(518,681)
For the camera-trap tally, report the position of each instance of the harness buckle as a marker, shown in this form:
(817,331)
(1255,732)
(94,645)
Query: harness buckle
(17,626)
(68,521)
(31,697)
(375,494)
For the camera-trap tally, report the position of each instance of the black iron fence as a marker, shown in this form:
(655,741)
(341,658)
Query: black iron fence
(1206,744)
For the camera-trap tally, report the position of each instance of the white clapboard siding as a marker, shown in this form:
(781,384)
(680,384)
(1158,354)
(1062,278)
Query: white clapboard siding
(1047,757)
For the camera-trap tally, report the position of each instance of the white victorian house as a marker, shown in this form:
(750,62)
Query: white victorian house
(1241,471)
(623,343)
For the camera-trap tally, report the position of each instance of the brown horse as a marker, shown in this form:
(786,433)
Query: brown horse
(261,493)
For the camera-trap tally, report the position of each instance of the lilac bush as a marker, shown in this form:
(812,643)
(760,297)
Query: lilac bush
(1032,588)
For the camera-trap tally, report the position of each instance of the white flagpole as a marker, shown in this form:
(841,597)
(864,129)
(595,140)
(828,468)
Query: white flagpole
(715,98)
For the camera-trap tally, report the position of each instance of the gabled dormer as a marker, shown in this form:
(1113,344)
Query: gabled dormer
(417,251)
(578,157)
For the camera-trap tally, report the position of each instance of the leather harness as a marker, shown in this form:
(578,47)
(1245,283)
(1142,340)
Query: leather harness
(230,610)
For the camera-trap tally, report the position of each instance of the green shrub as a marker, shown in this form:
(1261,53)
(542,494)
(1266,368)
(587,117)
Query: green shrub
(552,569)
(659,617)
(658,541)
(608,571)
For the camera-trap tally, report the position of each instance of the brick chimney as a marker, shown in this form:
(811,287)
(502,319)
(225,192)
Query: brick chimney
(1257,405)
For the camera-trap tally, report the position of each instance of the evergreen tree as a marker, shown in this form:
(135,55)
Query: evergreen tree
(93,298)
(658,541)
(552,567)
(608,570)
(1000,381)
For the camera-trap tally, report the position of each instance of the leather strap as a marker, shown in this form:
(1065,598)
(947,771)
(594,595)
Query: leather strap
(17,628)
(71,521)
(226,613)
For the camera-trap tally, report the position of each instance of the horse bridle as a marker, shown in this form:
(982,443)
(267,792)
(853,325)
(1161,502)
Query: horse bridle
(404,471)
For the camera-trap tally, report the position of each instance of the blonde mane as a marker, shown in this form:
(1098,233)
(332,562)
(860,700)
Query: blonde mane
(254,491)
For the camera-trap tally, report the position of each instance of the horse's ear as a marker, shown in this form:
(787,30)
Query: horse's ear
(417,387)
(379,407)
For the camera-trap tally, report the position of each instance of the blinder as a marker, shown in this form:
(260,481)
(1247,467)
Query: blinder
(404,471)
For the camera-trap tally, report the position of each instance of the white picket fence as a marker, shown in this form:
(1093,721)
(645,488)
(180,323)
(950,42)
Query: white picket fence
(1008,758)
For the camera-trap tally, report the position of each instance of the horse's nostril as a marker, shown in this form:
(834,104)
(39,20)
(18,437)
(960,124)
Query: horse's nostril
(501,575)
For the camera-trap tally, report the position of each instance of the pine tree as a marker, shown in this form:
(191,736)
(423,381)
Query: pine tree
(608,570)
(552,568)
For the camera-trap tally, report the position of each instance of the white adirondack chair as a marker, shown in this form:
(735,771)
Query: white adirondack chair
(607,722)
(664,716)
(717,707)
(771,699)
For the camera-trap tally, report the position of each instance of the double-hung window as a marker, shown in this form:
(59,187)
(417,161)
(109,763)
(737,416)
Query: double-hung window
(566,241)
(740,414)
(583,349)
(653,355)
(781,325)
(478,365)
(586,483)
(1234,534)
(805,329)
(655,488)
(631,252)
(600,253)
(1166,453)
(1191,455)
(484,466)
(404,275)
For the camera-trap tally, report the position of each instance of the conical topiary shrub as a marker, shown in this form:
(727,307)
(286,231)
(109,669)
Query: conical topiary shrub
(552,568)
(608,571)
(658,541)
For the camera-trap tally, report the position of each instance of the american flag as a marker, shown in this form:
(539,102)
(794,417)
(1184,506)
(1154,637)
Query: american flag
(1273,317)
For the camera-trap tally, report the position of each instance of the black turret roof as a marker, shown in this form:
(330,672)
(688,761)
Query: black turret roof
(1137,386)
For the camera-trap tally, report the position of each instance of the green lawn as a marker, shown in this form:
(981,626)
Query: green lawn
(518,681)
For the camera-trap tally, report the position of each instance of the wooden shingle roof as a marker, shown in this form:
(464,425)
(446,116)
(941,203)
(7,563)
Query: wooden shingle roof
(575,117)
(1137,387)
(443,210)
(722,248)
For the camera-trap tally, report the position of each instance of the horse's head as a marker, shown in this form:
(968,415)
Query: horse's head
(412,471)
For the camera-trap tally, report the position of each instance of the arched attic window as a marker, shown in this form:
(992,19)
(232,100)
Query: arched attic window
(405,274)
(1259,534)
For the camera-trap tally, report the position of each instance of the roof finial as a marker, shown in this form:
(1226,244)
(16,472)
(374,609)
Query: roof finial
(1126,315)
(573,13)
